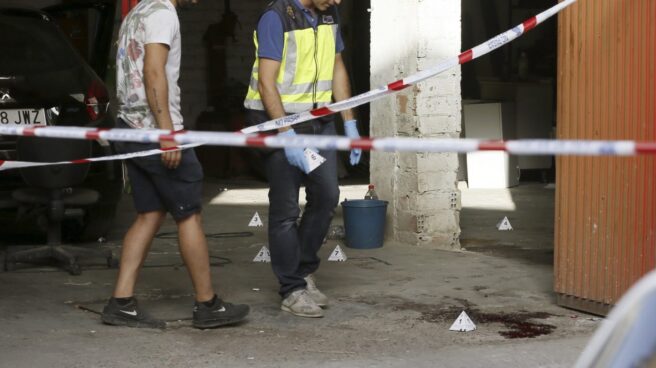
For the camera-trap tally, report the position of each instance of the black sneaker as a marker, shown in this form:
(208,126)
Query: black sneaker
(129,315)
(218,314)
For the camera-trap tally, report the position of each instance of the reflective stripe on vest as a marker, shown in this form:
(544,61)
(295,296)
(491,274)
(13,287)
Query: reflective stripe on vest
(306,70)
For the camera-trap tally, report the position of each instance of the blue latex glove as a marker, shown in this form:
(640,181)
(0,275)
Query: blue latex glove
(351,129)
(295,156)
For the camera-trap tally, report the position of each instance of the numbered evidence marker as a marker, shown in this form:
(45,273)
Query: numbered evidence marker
(256,221)
(504,225)
(337,255)
(463,323)
(313,158)
(263,256)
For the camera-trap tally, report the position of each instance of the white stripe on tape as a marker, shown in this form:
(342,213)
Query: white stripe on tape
(579,148)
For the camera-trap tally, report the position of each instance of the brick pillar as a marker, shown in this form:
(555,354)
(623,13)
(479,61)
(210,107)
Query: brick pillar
(421,187)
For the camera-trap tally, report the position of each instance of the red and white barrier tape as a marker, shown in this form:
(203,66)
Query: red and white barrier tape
(8,165)
(467,56)
(195,138)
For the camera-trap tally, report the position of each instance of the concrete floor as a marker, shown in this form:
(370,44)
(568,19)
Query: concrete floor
(391,307)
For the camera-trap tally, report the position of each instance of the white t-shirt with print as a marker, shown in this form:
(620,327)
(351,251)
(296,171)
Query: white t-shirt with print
(151,21)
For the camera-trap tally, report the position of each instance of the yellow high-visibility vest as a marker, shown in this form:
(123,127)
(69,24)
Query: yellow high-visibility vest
(305,80)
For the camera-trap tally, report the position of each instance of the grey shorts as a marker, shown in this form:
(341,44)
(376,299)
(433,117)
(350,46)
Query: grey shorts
(156,188)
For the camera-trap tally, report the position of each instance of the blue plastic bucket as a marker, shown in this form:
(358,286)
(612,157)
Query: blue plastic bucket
(364,223)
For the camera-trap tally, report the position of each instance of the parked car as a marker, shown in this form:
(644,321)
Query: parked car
(626,338)
(52,62)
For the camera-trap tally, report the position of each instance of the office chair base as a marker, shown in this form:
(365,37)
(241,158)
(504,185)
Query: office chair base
(67,256)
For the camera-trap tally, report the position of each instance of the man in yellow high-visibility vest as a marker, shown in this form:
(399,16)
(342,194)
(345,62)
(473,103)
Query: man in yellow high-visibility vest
(299,67)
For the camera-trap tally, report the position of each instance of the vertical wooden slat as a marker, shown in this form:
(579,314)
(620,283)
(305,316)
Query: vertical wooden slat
(652,119)
(595,241)
(603,163)
(587,131)
(577,94)
(605,207)
(615,178)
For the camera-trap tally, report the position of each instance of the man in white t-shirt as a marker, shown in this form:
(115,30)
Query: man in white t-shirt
(148,68)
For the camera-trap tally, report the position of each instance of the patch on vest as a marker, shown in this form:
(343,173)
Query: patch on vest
(328,19)
(290,12)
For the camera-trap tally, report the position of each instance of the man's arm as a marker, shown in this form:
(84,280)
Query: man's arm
(342,86)
(268,74)
(157,93)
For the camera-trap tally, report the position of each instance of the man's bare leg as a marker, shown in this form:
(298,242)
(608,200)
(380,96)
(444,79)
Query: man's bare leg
(193,247)
(136,244)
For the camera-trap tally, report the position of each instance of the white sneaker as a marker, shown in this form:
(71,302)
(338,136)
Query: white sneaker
(320,298)
(299,303)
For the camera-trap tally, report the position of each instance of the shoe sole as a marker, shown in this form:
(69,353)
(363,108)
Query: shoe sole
(220,322)
(118,321)
(289,310)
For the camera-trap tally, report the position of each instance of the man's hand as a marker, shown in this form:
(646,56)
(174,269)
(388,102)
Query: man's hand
(295,156)
(351,129)
(170,159)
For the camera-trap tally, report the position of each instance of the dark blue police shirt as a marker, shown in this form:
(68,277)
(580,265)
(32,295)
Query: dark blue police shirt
(270,34)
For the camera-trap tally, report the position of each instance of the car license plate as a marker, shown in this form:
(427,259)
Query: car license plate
(22,117)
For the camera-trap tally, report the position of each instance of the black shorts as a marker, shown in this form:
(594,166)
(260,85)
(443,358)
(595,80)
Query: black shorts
(156,188)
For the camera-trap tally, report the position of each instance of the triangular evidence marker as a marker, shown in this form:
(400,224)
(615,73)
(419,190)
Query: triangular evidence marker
(263,256)
(256,221)
(337,255)
(504,225)
(463,323)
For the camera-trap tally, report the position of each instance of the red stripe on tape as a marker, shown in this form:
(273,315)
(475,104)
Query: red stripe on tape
(2,162)
(646,148)
(397,86)
(171,136)
(466,56)
(492,146)
(169,149)
(321,112)
(363,143)
(167,138)
(530,24)
(256,141)
(31,132)
(80,161)
(95,134)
